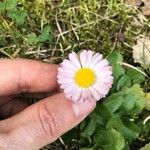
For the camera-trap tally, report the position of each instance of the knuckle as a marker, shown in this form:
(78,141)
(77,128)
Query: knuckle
(22,84)
(50,121)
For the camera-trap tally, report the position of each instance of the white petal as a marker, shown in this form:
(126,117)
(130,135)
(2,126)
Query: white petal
(84,94)
(68,64)
(105,79)
(102,64)
(65,80)
(96,95)
(101,87)
(65,70)
(103,72)
(89,57)
(76,94)
(75,60)
(83,58)
(64,85)
(96,60)
(107,70)
(65,75)
(69,89)
(95,56)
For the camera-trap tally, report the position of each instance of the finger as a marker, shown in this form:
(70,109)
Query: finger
(12,107)
(19,75)
(43,122)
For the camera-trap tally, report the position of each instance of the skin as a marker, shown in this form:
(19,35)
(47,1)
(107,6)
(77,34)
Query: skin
(32,127)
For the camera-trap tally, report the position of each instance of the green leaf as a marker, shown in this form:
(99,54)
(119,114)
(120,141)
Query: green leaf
(10,4)
(45,35)
(124,81)
(97,118)
(134,100)
(89,129)
(19,16)
(103,138)
(146,147)
(115,122)
(113,102)
(135,76)
(118,141)
(103,112)
(2,7)
(129,130)
(32,39)
(109,139)
(115,60)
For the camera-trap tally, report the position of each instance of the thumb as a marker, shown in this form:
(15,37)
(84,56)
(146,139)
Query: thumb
(43,122)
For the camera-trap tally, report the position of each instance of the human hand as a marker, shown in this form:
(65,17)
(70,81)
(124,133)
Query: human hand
(31,127)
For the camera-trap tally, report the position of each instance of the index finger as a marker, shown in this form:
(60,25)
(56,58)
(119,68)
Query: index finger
(20,75)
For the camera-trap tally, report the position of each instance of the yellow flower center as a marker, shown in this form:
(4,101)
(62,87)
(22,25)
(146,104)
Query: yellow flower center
(84,77)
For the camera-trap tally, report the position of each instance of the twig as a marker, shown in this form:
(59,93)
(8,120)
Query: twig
(130,66)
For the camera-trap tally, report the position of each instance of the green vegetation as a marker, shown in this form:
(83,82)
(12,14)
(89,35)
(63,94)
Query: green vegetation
(48,30)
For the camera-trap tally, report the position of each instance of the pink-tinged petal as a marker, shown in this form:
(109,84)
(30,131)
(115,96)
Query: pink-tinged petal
(75,60)
(83,58)
(81,101)
(105,79)
(62,70)
(63,86)
(84,94)
(69,88)
(68,96)
(68,64)
(95,56)
(97,59)
(96,95)
(88,94)
(90,100)
(105,69)
(89,58)
(61,77)
(103,72)
(65,80)
(101,88)
(65,75)
(102,64)
(76,94)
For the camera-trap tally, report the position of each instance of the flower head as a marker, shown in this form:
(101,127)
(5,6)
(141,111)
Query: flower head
(85,77)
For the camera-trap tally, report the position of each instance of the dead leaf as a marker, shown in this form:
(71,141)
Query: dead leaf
(134,2)
(146,3)
(146,11)
(146,8)
(141,52)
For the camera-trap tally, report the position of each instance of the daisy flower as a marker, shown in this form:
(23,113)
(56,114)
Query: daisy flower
(85,77)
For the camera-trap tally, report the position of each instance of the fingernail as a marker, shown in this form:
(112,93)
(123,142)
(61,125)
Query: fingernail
(82,109)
